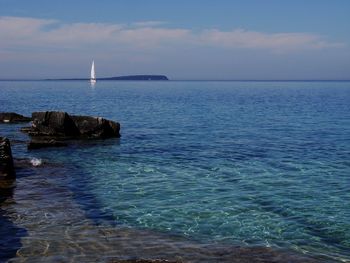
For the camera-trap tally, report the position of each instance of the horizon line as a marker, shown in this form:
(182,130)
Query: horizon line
(104,79)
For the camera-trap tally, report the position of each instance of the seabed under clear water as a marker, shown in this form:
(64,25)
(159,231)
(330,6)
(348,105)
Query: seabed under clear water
(203,172)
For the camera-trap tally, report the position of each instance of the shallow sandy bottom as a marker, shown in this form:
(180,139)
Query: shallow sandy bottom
(41,222)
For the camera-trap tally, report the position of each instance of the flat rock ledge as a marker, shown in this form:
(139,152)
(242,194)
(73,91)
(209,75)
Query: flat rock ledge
(7,170)
(12,117)
(53,128)
(44,143)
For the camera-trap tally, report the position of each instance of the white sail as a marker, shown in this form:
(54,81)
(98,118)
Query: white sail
(93,74)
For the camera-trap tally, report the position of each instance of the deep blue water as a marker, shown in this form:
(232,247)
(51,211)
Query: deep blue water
(247,163)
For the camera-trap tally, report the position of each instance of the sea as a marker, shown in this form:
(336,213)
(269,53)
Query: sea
(204,171)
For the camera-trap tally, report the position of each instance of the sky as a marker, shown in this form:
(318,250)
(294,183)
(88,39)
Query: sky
(183,39)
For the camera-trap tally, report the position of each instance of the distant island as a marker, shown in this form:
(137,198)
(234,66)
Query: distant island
(138,77)
(130,77)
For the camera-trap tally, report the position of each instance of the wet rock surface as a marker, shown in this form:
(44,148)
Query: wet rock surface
(61,124)
(7,171)
(93,127)
(54,128)
(53,123)
(44,143)
(12,117)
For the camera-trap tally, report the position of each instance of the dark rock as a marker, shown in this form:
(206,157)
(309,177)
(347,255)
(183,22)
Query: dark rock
(44,143)
(61,124)
(93,127)
(51,128)
(7,171)
(11,117)
(53,123)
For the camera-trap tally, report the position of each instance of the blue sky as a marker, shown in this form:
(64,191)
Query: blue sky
(192,39)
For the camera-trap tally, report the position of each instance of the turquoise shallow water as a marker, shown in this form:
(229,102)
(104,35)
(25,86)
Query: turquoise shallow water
(247,163)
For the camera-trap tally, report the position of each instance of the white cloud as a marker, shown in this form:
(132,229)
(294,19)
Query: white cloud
(14,30)
(22,32)
(148,23)
(240,38)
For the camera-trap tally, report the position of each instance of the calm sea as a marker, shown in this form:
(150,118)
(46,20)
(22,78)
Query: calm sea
(252,164)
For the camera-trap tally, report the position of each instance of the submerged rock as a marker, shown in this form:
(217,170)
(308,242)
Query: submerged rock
(33,162)
(12,117)
(51,128)
(44,143)
(7,171)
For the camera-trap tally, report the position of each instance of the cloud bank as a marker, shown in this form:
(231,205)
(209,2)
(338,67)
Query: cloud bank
(48,48)
(17,32)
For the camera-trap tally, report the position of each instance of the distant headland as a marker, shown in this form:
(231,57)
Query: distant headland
(130,77)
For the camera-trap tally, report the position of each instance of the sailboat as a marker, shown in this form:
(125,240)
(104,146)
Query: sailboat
(93,74)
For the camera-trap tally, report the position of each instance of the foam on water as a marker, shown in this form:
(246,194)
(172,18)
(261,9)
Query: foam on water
(35,162)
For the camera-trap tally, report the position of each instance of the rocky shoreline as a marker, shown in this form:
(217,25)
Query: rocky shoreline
(53,129)
(56,128)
